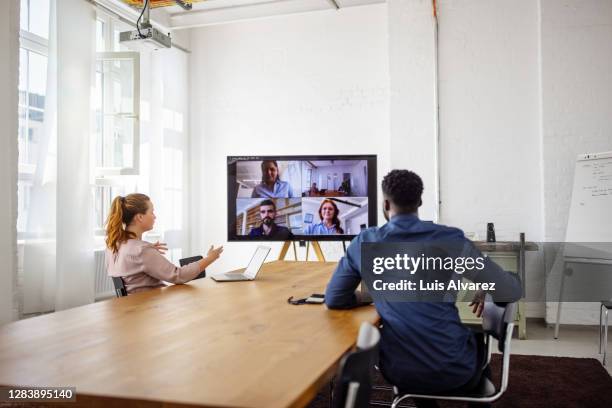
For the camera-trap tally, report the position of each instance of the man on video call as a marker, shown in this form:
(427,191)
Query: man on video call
(268,228)
(424,347)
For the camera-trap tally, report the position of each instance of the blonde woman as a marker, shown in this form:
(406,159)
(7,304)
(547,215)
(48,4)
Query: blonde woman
(141,264)
(330,223)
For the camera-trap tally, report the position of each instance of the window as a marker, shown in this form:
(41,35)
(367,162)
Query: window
(116,102)
(104,194)
(35,17)
(34,48)
(32,89)
(116,105)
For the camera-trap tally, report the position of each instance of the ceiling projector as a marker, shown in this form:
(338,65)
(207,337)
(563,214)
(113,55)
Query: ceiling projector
(145,39)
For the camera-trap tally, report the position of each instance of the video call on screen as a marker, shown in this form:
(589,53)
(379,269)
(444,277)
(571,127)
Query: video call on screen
(280,199)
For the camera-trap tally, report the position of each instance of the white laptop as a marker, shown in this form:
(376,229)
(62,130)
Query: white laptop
(251,270)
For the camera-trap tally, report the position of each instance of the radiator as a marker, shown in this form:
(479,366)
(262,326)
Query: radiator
(103,283)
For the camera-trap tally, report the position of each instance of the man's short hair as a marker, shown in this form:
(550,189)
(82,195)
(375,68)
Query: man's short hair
(403,188)
(268,202)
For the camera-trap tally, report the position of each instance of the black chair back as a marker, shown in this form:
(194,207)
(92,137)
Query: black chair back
(120,289)
(353,384)
(187,261)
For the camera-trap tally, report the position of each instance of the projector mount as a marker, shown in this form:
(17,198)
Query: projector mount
(146,23)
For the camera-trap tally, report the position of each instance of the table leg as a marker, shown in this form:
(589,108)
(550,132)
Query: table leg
(522,324)
(560,300)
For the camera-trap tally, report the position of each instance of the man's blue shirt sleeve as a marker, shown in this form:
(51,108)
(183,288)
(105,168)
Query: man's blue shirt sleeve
(340,292)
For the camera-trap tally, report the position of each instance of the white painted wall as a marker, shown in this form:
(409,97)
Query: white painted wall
(489,131)
(412,98)
(576,96)
(523,88)
(576,71)
(490,153)
(314,83)
(9,74)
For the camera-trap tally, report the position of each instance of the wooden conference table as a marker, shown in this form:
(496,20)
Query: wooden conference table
(205,344)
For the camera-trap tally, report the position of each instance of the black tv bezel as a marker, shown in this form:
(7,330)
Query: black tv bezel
(232,192)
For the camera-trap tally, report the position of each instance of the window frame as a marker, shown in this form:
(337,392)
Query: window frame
(114,177)
(31,43)
(109,24)
(134,169)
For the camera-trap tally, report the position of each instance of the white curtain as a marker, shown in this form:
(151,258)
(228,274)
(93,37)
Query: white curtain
(59,266)
(75,63)
(39,252)
(164,93)
(58,258)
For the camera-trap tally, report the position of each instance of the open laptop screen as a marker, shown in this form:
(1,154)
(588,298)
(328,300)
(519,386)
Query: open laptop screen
(256,261)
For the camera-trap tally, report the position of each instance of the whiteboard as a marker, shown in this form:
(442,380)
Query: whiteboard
(590,216)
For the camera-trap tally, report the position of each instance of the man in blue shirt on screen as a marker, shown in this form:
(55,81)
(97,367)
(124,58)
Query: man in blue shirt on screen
(424,347)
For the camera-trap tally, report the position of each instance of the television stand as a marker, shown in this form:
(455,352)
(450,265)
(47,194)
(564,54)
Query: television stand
(315,246)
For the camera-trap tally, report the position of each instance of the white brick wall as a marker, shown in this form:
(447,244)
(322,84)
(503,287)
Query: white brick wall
(524,86)
(412,105)
(313,83)
(576,38)
(490,151)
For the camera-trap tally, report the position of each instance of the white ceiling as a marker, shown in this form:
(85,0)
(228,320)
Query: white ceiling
(223,11)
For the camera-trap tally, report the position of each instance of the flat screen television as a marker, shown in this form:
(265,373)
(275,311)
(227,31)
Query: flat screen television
(302,198)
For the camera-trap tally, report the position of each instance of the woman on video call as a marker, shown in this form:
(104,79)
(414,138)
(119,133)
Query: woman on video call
(271,185)
(141,264)
(330,223)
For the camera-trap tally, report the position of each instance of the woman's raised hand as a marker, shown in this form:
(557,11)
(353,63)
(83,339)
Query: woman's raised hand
(214,253)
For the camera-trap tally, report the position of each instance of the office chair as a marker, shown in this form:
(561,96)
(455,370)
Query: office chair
(497,322)
(187,261)
(120,289)
(603,327)
(353,382)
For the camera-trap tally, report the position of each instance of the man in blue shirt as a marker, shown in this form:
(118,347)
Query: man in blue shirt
(424,347)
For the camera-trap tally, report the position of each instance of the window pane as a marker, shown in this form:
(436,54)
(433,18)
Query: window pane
(23,200)
(31,121)
(119,27)
(116,44)
(104,196)
(114,106)
(37,79)
(99,124)
(23,75)
(22,135)
(23,23)
(34,135)
(39,17)
(119,76)
(118,141)
(100,30)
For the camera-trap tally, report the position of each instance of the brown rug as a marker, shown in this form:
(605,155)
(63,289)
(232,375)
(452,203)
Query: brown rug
(535,382)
